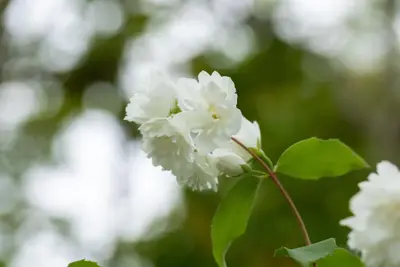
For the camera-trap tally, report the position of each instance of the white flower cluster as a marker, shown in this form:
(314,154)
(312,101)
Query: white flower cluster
(376,222)
(187,127)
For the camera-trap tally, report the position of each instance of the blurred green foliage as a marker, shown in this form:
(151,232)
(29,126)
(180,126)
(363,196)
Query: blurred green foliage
(294,94)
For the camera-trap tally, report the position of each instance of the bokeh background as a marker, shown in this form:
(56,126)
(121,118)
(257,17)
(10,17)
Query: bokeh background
(73,180)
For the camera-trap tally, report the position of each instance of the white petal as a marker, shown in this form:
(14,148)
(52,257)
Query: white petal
(249,133)
(387,169)
(156,127)
(207,140)
(225,83)
(213,99)
(228,162)
(152,100)
(167,145)
(189,98)
(204,77)
(134,113)
(232,121)
(202,174)
(216,76)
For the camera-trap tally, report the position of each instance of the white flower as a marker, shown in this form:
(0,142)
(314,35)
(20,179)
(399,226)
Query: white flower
(187,127)
(375,225)
(209,107)
(166,143)
(157,99)
(201,174)
(232,158)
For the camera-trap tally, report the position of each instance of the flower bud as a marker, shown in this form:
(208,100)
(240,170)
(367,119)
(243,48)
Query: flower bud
(228,162)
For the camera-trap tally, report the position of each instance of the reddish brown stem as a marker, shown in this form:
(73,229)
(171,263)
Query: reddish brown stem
(283,191)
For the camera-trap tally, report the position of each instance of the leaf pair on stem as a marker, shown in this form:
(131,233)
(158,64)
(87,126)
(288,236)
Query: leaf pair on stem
(309,159)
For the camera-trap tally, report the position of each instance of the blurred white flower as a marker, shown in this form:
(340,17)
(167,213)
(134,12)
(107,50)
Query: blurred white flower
(209,106)
(157,99)
(375,225)
(232,158)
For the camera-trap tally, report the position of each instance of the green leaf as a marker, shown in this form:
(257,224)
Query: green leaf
(83,263)
(341,257)
(226,183)
(315,158)
(308,254)
(230,219)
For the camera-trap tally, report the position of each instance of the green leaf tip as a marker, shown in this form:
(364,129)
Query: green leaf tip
(83,263)
(232,215)
(308,254)
(315,158)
